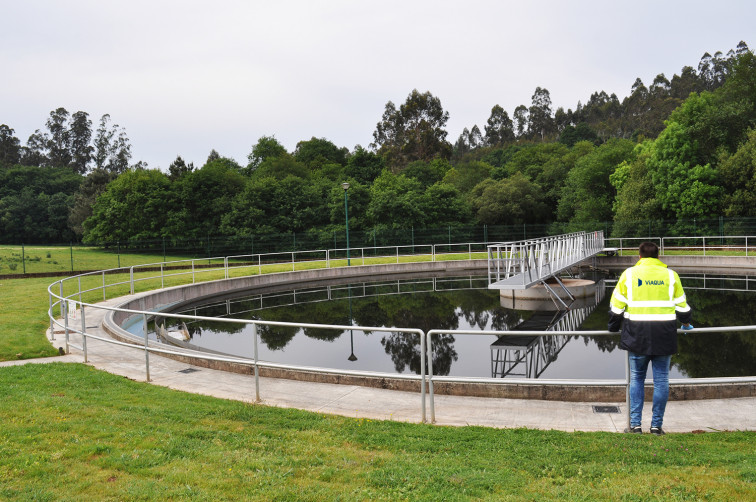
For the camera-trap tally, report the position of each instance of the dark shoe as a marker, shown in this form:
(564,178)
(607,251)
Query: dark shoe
(635,430)
(657,431)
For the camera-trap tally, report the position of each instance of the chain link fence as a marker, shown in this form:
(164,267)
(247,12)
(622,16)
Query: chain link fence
(59,258)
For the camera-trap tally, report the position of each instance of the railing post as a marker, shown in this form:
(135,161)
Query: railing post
(162,276)
(146,349)
(704,246)
(103,286)
(65,321)
(52,325)
(131,279)
(429,369)
(84,334)
(193,280)
(257,368)
(328,258)
(293,263)
(225,265)
(422,374)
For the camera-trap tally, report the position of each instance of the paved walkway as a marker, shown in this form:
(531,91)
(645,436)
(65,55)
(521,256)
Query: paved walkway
(365,402)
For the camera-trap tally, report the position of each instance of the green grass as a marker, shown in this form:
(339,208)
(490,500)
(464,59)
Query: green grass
(73,433)
(58,259)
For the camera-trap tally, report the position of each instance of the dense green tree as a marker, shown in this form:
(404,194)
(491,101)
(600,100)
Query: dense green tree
(59,139)
(636,195)
(521,120)
(499,127)
(581,132)
(179,168)
(510,201)
(540,121)
(202,198)
(588,194)
(10,147)
(267,205)
(396,201)
(80,136)
(318,152)
(427,173)
(214,155)
(102,143)
(34,203)
(34,153)
(135,206)
(84,198)
(738,173)
(281,167)
(443,204)
(364,165)
(465,176)
(267,147)
(413,132)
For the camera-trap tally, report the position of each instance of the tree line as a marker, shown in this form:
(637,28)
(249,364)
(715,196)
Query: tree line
(676,150)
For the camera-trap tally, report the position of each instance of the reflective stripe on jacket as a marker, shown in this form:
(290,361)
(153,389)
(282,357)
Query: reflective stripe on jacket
(650,298)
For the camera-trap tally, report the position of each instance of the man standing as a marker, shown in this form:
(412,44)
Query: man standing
(651,299)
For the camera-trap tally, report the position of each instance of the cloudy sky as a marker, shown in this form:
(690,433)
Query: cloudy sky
(184,77)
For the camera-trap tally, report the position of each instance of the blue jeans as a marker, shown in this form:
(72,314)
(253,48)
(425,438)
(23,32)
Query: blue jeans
(638,368)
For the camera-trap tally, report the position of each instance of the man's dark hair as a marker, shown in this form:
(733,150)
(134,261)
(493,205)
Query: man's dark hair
(648,250)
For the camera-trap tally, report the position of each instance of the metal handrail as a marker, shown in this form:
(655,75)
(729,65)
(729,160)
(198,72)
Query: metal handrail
(63,301)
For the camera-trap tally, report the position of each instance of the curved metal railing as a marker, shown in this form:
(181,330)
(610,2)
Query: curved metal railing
(70,296)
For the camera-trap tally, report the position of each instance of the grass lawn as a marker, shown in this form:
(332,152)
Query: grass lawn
(74,433)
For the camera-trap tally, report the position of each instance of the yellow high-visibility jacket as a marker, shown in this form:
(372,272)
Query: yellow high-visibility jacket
(650,298)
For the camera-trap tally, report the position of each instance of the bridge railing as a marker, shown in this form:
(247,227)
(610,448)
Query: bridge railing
(520,264)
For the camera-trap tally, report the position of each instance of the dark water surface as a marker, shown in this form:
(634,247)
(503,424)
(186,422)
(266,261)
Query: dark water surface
(466,303)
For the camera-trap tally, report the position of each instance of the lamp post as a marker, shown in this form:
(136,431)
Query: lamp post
(345,186)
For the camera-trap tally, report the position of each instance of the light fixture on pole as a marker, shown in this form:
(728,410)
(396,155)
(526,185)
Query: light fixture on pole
(345,186)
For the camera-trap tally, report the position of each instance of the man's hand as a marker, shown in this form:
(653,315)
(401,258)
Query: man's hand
(686,327)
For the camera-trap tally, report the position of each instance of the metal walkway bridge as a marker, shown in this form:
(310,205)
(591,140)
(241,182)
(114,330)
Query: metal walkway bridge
(522,264)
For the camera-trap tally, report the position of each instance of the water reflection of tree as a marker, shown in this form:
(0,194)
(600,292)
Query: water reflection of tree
(718,354)
(424,311)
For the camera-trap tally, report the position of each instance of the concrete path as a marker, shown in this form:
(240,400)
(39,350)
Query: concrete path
(365,402)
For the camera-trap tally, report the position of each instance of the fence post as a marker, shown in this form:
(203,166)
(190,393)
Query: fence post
(84,333)
(103,286)
(64,304)
(71,243)
(52,326)
(146,350)
(257,369)
(131,279)
(23,258)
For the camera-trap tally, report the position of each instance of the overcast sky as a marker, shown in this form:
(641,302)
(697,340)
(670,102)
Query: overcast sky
(184,77)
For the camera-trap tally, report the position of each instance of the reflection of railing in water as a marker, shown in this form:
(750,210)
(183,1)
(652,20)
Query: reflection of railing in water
(353,290)
(535,353)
